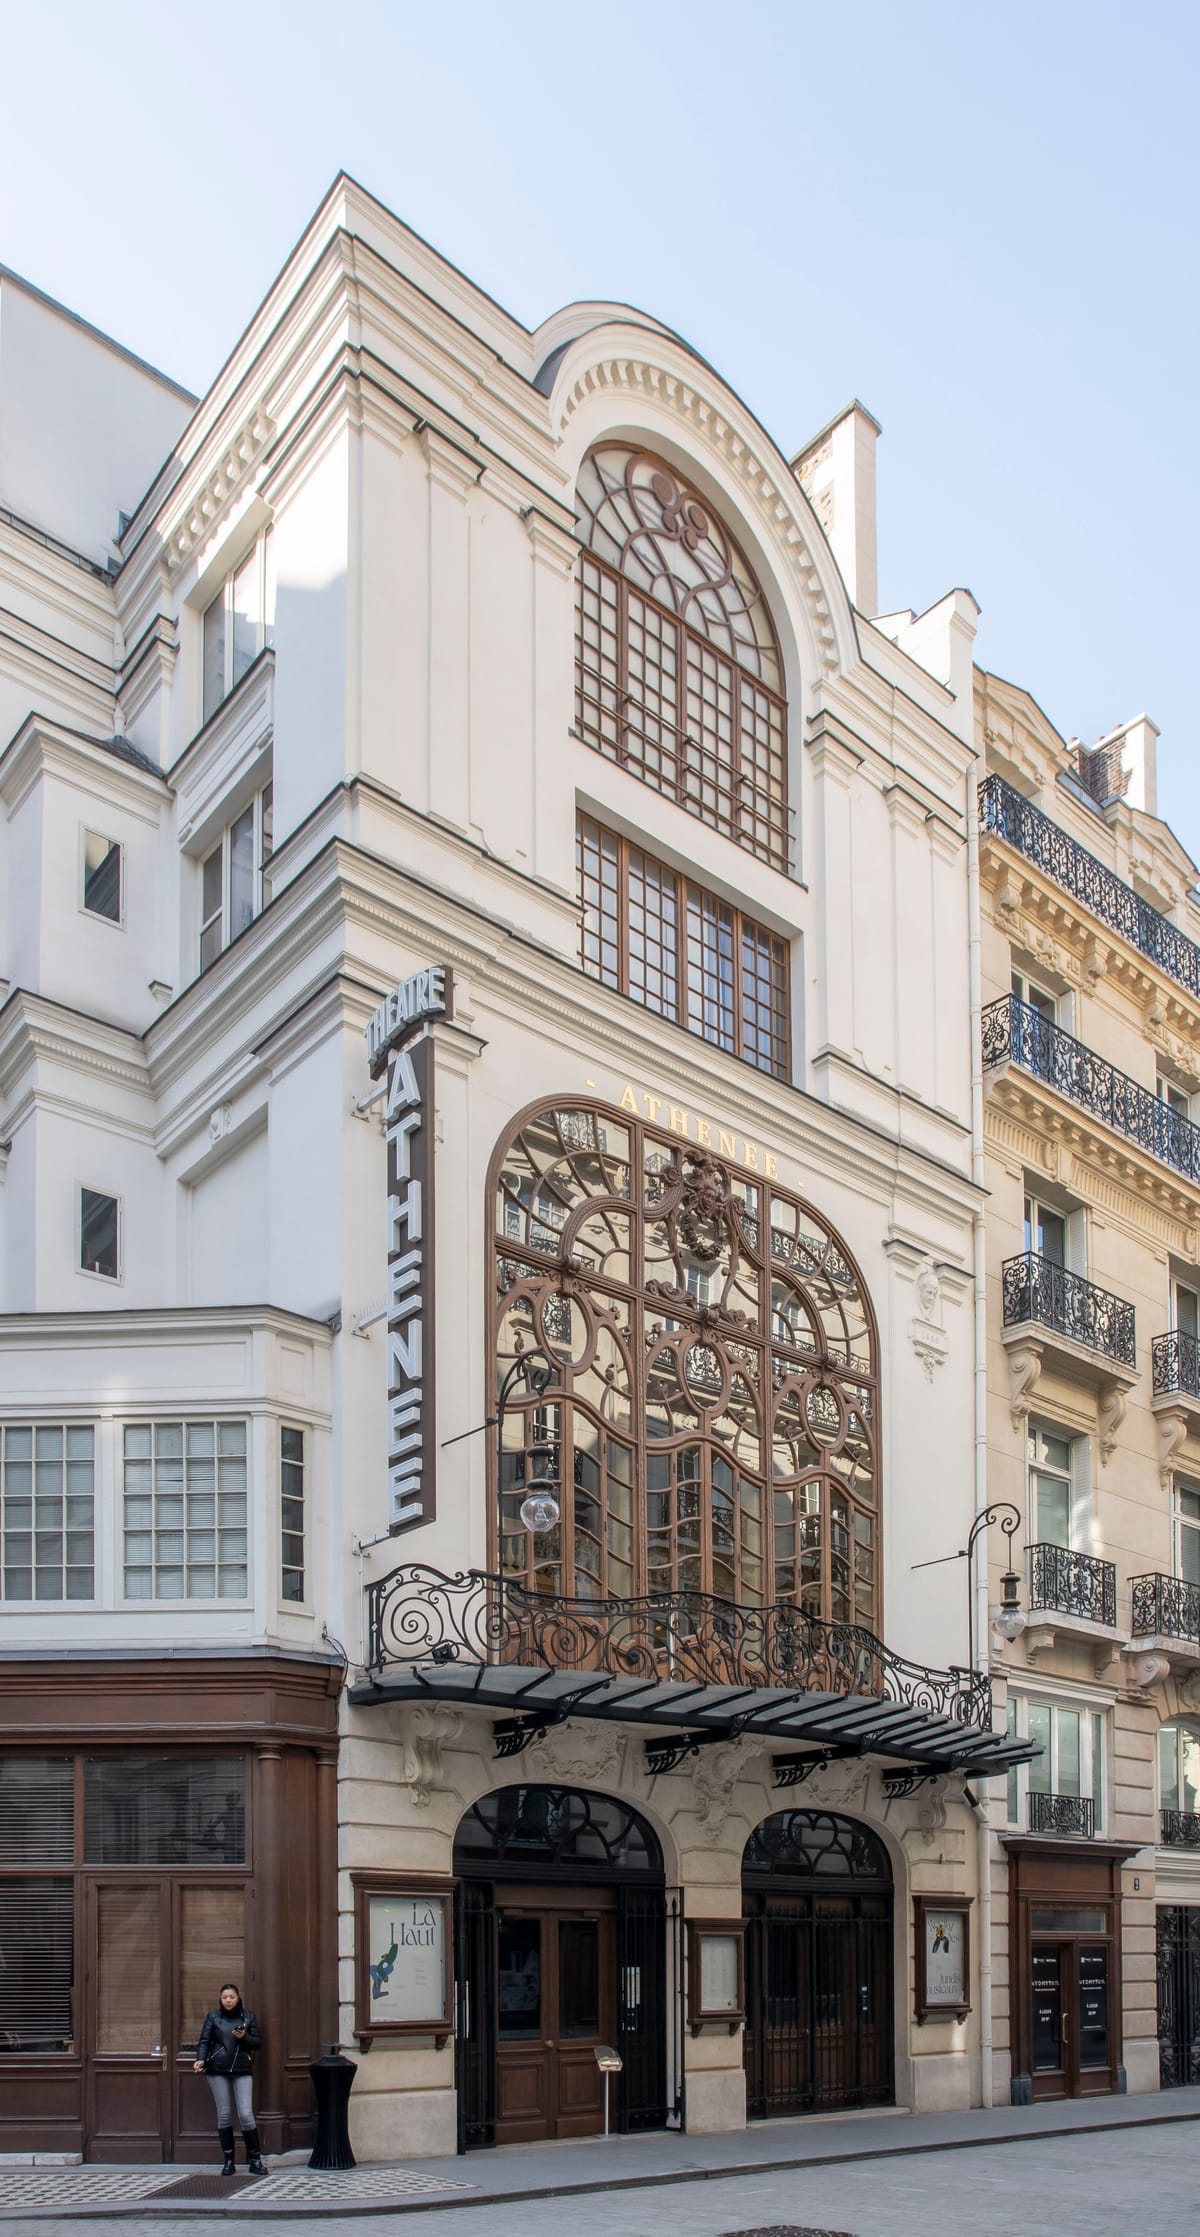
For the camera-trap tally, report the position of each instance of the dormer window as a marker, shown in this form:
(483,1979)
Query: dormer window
(677,670)
(238,623)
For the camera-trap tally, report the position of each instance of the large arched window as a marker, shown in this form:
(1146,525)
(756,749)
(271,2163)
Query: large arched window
(713,1423)
(678,675)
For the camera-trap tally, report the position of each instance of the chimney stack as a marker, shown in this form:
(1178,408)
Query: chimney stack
(836,471)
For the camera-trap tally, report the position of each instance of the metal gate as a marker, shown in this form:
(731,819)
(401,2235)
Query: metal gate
(475,2013)
(819,1990)
(650,2008)
(1178,1994)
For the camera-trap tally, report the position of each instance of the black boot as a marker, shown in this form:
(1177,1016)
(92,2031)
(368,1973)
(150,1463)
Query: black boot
(225,2139)
(254,2165)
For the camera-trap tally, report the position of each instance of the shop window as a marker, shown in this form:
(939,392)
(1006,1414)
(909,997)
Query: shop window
(681,952)
(235,876)
(99,1234)
(1071,1764)
(677,671)
(164,1809)
(37,1963)
(1179,1767)
(714,1427)
(37,1809)
(291,1513)
(212,1947)
(102,896)
(185,1489)
(1186,1503)
(238,623)
(47,1512)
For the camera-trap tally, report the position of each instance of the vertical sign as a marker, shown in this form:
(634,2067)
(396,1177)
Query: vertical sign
(409,1114)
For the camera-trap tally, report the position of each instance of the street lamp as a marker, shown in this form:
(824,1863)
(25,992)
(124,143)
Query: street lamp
(1010,1622)
(539,1509)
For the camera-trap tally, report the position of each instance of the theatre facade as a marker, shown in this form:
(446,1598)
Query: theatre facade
(493,1221)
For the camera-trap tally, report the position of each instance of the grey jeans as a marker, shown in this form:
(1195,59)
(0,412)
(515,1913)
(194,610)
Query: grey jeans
(229,2091)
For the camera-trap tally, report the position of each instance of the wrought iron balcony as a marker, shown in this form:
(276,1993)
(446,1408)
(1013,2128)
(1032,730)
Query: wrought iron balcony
(1062,1813)
(1015,1032)
(419,1615)
(1175,1366)
(1073,1584)
(1004,812)
(1180,1829)
(1165,1608)
(1036,1289)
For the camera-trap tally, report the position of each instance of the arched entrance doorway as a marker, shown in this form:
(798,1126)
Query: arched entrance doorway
(818,1901)
(562,1943)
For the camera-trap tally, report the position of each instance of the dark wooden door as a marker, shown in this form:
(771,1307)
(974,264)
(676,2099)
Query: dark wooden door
(128,1941)
(819,2026)
(1071,2013)
(555,2002)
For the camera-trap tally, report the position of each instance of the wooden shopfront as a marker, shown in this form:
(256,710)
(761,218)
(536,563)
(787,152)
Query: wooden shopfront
(1065,1943)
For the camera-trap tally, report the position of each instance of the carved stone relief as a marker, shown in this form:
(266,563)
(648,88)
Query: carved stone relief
(1172,1433)
(1111,1409)
(428,1728)
(1024,1367)
(583,1755)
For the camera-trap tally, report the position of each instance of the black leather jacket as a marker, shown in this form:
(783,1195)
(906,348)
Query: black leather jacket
(220,2050)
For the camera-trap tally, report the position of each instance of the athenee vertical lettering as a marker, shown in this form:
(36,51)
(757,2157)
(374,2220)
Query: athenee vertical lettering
(411,1482)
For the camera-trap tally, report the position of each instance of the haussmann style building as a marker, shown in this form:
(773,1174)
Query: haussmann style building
(501,1182)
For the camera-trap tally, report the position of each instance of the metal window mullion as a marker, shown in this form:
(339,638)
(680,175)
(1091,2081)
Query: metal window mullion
(623,926)
(739,1015)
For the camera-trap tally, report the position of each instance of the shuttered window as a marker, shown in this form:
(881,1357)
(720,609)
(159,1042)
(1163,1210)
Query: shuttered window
(164,1809)
(36,1964)
(37,1809)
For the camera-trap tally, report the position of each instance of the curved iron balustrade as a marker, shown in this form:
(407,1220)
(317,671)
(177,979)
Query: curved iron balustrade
(418,1614)
(1073,1584)
(1014,1031)
(1004,812)
(1062,1813)
(1175,1365)
(1037,1289)
(1164,1608)
(1180,1829)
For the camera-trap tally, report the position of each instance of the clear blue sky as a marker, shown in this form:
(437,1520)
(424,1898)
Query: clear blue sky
(981,220)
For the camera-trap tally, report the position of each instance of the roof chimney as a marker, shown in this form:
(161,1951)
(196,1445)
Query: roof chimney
(1123,765)
(836,471)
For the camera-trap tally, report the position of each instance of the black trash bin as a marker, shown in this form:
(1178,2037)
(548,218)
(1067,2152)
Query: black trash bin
(332,2080)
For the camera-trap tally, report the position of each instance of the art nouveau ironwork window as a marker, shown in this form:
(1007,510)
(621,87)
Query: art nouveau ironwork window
(661,938)
(678,675)
(714,1422)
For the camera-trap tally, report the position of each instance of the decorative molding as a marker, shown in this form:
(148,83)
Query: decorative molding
(428,1728)
(927,1332)
(1024,1368)
(208,504)
(716,1772)
(631,375)
(583,1752)
(1172,1434)
(1111,1412)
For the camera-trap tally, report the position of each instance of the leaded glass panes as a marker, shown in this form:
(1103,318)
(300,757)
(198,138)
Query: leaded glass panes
(711,1426)
(678,675)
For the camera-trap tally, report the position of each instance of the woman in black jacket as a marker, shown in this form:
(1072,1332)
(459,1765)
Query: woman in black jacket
(225,2055)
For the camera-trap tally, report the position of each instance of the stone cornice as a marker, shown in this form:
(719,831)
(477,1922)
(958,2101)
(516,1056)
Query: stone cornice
(41,746)
(206,503)
(1029,1121)
(34,1030)
(164,1324)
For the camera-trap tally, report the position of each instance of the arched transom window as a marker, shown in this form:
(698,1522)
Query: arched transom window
(712,1426)
(678,675)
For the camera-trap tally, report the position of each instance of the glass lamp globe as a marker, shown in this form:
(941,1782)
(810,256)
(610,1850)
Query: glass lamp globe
(539,1512)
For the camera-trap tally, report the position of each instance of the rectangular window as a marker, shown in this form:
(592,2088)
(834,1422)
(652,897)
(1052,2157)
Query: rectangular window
(164,1809)
(1185,1310)
(1050,1488)
(1045,1232)
(1072,1759)
(102,877)
(1187,1533)
(235,879)
(1179,1768)
(99,1234)
(37,1943)
(291,1512)
(1035,997)
(47,1512)
(684,953)
(238,623)
(185,1510)
(1174,1098)
(37,1810)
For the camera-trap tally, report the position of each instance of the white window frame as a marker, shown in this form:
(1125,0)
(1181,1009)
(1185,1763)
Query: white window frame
(65,1426)
(1181,1522)
(190,1417)
(299,1429)
(93,1273)
(97,916)
(262,553)
(1172,1724)
(1175,1097)
(1185,1289)
(1025,985)
(261,804)
(1087,1708)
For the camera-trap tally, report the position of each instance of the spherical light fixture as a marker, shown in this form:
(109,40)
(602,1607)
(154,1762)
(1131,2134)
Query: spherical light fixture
(539,1512)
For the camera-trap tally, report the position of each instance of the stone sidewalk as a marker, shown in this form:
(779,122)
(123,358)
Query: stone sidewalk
(591,2165)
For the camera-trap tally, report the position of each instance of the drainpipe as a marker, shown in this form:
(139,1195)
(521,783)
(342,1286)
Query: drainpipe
(978,1581)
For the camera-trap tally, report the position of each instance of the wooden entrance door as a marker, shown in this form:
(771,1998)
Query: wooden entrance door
(555,2002)
(819,2013)
(158,1952)
(1071,2034)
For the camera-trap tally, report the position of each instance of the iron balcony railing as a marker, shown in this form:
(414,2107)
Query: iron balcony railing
(1180,1829)
(1072,1584)
(420,1615)
(1062,1813)
(1175,1365)
(1037,1289)
(1004,812)
(1015,1032)
(1165,1608)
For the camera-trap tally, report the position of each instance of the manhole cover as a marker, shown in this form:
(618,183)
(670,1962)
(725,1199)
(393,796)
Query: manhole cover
(207,2186)
(787,2229)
